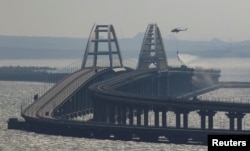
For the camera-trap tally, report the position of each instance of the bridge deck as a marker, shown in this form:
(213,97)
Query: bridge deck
(108,90)
(43,107)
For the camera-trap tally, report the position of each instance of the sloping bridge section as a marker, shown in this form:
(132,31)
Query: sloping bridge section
(46,104)
(72,91)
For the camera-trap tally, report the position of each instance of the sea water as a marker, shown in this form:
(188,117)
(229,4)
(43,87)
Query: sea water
(13,94)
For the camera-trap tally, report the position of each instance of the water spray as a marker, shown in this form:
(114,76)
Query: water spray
(176,30)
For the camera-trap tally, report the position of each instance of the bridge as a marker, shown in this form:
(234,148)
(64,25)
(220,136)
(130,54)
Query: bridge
(117,102)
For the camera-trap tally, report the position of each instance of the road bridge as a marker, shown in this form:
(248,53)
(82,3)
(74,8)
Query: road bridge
(53,101)
(119,101)
(109,94)
(44,106)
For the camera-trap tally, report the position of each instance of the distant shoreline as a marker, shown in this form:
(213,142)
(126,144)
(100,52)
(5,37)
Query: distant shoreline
(30,73)
(17,47)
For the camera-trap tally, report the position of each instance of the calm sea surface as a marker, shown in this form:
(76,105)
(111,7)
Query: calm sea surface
(12,94)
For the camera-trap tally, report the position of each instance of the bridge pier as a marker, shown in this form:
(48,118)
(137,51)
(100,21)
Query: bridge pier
(96,111)
(178,114)
(232,116)
(138,118)
(185,119)
(119,114)
(156,112)
(178,119)
(111,114)
(145,117)
(103,112)
(131,115)
(206,113)
(164,118)
(123,115)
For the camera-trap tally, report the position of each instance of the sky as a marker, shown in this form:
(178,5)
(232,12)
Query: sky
(227,20)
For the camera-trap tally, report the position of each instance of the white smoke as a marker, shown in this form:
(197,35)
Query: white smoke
(186,59)
(193,61)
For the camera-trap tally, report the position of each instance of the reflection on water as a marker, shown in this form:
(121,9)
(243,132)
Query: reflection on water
(12,94)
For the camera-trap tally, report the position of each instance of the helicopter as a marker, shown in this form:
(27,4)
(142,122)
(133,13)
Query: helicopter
(176,30)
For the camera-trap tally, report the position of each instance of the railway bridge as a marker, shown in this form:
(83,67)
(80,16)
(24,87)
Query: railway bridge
(131,104)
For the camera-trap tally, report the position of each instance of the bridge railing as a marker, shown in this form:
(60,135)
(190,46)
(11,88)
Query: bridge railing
(63,73)
(59,74)
(225,100)
(83,115)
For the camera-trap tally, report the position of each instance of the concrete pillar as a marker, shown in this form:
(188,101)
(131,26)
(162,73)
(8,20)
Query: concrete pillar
(231,123)
(203,114)
(138,116)
(203,121)
(106,113)
(96,111)
(146,117)
(119,114)
(185,120)
(131,116)
(156,111)
(232,116)
(103,112)
(178,114)
(123,115)
(178,119)
(239,120)
(210,119)
(164,118)
(111,114)
(239,123)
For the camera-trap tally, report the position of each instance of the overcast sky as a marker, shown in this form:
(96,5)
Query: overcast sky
(227,20)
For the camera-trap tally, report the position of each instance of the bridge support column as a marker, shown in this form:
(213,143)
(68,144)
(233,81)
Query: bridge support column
(111,114)
(232,116)
(138,116)
(211,120)
(178,119)
(103,112)
(97,116)
(146,117)
(156,111)
(239,121)
(164,118)
(203,121)
(119,114)
(131,115)
(203,114)
(178,114)
(231,122)
(123,115)
(185,120)
(100,112)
